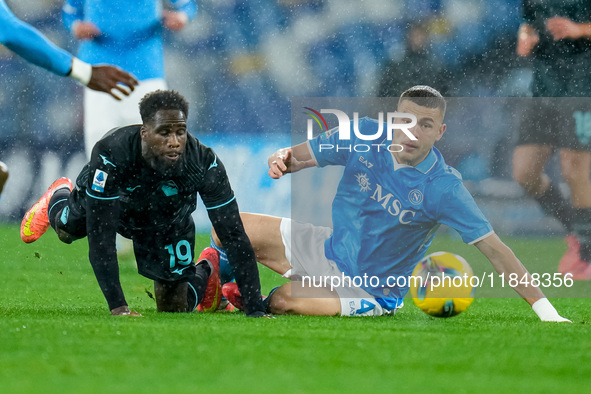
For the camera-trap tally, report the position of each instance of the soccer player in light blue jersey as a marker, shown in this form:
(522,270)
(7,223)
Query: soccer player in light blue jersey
(34,47)
(388,205)
(127,34)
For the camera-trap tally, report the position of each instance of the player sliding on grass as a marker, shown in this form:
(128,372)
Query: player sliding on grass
(385,213)
(142,181)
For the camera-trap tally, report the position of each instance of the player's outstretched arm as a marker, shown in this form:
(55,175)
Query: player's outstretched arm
(29,43)
(289,160)
(34,47)
(505,262)
(101,225)
(561,28)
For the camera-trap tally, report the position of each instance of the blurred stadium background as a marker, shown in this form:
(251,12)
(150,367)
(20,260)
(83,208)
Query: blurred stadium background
(241,61)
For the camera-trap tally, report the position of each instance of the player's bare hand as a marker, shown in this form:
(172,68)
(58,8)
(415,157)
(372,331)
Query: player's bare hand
(527,39)
(86,31)
(280,163)
(112,80)
(124,311)
(561,28)
(174,20)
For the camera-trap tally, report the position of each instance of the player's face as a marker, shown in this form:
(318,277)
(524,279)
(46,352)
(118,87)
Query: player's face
(428,130)
(164,140)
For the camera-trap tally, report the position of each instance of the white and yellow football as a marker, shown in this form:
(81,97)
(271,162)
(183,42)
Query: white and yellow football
(440,284)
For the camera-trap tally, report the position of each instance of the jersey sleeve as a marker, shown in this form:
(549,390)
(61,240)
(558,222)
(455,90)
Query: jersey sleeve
(104,174)
(31,45)
(102,219)
(216,190)
(222,209)
(458,210)
(101,226)
(241,256)
(189,7)
(329,149)
(72,11)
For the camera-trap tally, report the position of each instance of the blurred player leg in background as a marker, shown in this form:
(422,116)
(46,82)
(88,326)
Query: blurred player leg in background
(555,34)
(576,169)
(537,142)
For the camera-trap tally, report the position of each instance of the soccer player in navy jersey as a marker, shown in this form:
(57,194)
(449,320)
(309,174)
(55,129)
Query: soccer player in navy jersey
(129,35)
(385,213)
(142,181)
(35,48)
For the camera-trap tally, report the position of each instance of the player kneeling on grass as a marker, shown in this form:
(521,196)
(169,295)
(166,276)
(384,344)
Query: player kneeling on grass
(142,181)
(382,226)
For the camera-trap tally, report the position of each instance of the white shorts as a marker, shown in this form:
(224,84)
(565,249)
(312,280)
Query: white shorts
(304,249)
(103,113)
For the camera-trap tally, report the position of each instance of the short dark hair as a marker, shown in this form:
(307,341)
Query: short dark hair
(425,96)
(162,99)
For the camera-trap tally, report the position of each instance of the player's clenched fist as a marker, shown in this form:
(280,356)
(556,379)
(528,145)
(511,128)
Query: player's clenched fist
(279,163)
(527,39)
(289,160)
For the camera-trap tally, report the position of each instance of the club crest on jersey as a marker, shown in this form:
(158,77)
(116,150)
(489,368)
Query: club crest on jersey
(170,189)
(99,180)
(415,197)
(363,181)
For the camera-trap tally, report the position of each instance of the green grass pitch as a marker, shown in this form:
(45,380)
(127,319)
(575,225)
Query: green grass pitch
(56,336)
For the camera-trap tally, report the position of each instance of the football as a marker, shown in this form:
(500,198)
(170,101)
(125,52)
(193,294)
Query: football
(440,284)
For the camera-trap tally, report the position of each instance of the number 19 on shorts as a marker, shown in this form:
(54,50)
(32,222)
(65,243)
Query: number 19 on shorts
(180,254)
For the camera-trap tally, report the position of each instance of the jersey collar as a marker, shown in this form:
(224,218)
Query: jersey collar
(425,166)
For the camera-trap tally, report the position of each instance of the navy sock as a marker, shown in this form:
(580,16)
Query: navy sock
(55,210)
(267,300)
(198,284)
(554,204)
(582,228)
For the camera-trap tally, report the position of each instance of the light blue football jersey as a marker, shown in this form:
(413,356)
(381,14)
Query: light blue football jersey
(131,32)
(30,44)
(385,214)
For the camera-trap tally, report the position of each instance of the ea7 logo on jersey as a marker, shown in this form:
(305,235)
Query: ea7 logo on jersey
(365,162)
(99,180)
